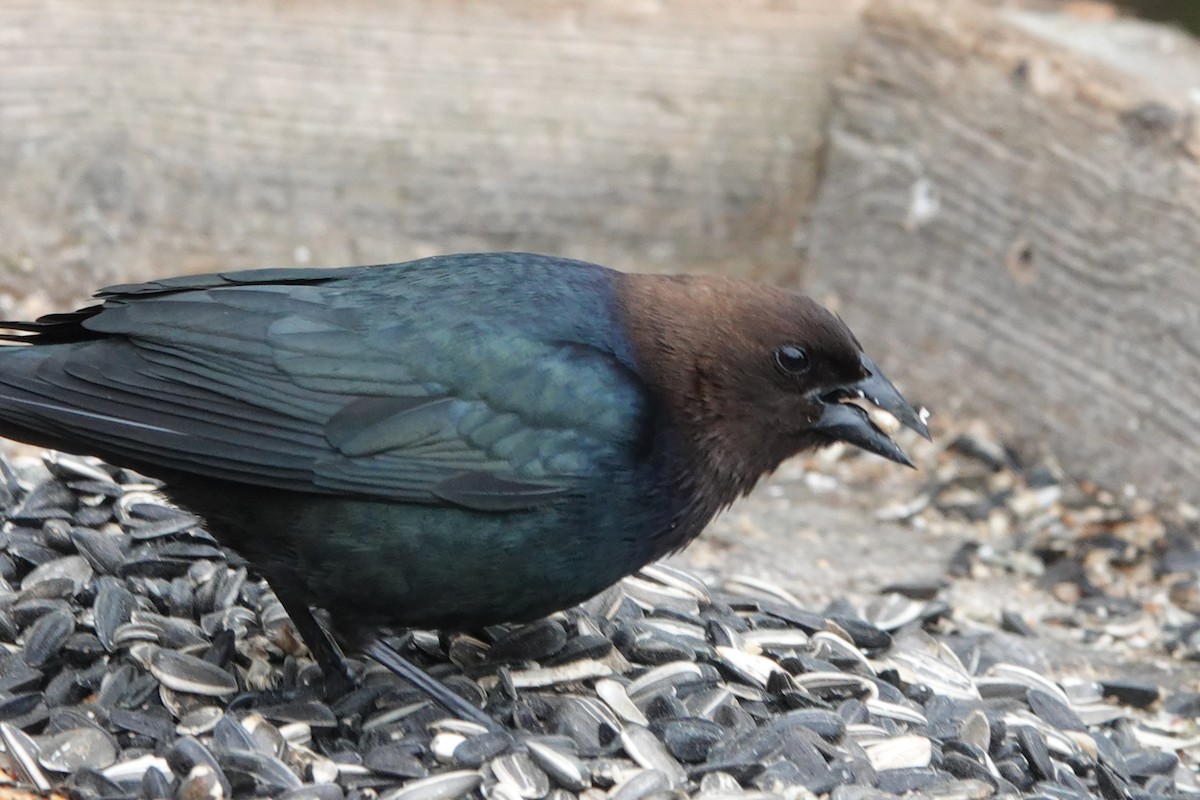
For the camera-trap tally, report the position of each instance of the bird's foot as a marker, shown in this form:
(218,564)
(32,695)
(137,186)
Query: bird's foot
(265,698)
(430,686)
(339,679)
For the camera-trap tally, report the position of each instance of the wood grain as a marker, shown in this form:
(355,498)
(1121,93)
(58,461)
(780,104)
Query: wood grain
(140,138)
(1011,215)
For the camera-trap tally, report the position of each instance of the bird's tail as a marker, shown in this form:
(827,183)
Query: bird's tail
(28,410)
(51,329)
(31,355)
(11,331)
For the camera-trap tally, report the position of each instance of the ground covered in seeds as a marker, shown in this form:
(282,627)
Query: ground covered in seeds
(980,628)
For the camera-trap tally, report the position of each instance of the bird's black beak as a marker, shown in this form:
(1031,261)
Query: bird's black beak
(849,423)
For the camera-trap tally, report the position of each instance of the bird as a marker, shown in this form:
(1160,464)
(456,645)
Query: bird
(447,443)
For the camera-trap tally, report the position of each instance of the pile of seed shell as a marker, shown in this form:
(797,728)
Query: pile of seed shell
(1129,568)
(139,660)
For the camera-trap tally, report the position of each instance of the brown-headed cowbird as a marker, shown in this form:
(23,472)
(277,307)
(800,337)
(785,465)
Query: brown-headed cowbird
(451,442)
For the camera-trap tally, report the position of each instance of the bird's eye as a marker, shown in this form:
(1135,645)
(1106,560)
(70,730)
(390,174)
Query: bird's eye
(792,360)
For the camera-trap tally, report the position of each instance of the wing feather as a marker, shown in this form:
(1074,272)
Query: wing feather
(314,381)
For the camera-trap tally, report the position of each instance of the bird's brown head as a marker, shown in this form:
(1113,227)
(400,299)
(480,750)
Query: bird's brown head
(754,374)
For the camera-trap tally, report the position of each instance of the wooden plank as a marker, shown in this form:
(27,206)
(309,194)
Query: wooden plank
(141,138)
(1011,218)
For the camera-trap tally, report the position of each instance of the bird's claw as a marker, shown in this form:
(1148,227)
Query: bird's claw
(265,697)
(432,688)
(339,680)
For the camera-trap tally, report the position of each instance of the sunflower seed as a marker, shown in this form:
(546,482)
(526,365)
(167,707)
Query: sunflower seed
(691,739)
(46,638)
(976,730)
(522,775)
(76,749)
(666,676)
(146,515)
(135,769)
(477,750)
(447,786)
(1004,679)
(676,579)
(751,669)
(1034,748)
(617,698)
(896,711)
(564,768)
(311,713)
(257,772)
(826,724)
(533,642)
(199,721)
(1132,692)
(901,752)
(836,685)
(444,744)
(184,673)
(1054,711)
(155,726)
(644,747)
(758,641)
(652,595)
(204,781)
(395,759)
(50,499)
(573,672)
(23,754)
(74,569)
(641,785)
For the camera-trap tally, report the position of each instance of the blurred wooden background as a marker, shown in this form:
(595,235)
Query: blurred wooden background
(141,138)
(1010,213)
(1001,199)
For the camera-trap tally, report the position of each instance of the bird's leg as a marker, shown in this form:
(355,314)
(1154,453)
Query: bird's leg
(428,685)
(339,680)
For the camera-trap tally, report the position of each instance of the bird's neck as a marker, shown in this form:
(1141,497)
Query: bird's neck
(675,326)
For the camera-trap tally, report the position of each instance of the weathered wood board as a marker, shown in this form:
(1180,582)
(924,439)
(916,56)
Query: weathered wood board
(1011,218)
(141,138)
